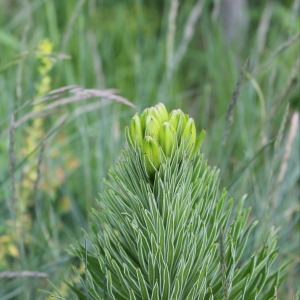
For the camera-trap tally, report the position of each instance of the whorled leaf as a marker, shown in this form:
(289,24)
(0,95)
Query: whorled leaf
(164,231)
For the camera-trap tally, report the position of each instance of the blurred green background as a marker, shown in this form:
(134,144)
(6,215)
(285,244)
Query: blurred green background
(57,146)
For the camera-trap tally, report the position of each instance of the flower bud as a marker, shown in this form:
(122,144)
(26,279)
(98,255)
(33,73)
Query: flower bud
(174,118)
(167,138)
(151,155)
(153,111)
(185,118)
(198,142)
(136,131)
(158,134)
(152,126)
(143,119)
(178,119)
(162,111)
(189,134)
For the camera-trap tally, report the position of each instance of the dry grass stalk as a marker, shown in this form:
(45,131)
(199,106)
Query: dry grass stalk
(70,26)
(288,148)
(260,97)
(276,152)
(80,95)
(12,163)
(34,115)
(62,89)
(23,43)
(216,10)
(96,59)
(58,124)
(25,54)
(171,35)
(235,95)
(9,274)
(287,86)
(84,94)
(38,170)
(279,49)
(294,14)
(67,117)
(189,30)
(263,27)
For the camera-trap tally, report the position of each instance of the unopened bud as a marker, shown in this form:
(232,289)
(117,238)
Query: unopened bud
(152,126)
(167,138)
(189,133)
(198,142)
(178,119)
(143,119)
(174,118)
(157,134)
(153,111)
(185,118)
(151,155)
(162,111)
(136,131)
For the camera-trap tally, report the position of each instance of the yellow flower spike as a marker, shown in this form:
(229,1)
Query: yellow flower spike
(136,131)
(45,46)
(151,155)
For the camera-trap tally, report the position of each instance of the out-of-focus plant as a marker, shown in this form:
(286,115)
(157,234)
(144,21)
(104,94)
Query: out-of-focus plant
(164,231)
(17,233)
(34,133)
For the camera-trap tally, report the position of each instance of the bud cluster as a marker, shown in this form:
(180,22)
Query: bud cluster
(158,134)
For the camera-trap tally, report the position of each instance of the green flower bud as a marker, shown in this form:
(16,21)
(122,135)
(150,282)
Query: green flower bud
(162,111)
(154,112)
(178,119)
(174,118)
(143,119)
(185,118)
(151,155)
(136,131)
(167,137)
(198,142)
(158,139)
(152,126)
(189,134)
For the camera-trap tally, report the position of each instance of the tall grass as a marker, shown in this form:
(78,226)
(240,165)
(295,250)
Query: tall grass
(55,152)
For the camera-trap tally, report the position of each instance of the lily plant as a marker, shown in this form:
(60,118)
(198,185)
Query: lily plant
(164,231)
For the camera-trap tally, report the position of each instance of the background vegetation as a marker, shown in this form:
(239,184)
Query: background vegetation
(56,147)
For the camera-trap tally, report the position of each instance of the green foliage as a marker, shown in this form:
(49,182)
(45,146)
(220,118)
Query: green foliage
(172,238)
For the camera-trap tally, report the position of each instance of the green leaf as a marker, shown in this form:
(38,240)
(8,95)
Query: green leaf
(131,295)
(143,285)
(155,292)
